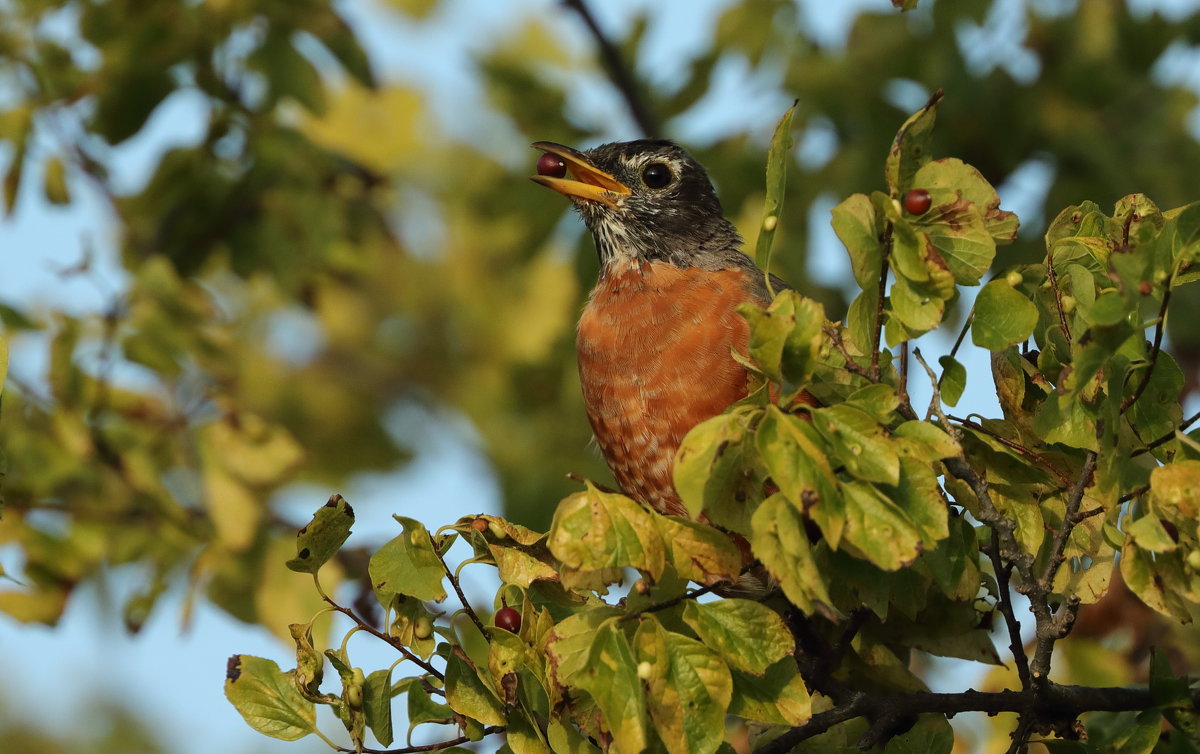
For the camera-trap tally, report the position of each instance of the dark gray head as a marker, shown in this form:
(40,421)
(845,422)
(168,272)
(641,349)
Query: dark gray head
(645,200)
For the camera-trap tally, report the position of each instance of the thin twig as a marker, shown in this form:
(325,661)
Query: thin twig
(425,747)
(1168,436)
(1016,446)
(1015,645)
(618,72)
(1158,334)
(835,337)
(392,640)
(1062,317)
(884,259)
(1050,630)
(462,598)
(904,372)
(668,604)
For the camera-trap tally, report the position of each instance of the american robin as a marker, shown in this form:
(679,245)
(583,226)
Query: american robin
(657,334)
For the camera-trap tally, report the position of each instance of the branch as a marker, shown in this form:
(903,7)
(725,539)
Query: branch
(886,243)
(1161,440)
(1158,334)
(1062,317)
(408,655)
(1051,630)
(1053,703)
(425,747)
(458,590)
(668,604)
(618,72)
(1016,446)
(1015,645)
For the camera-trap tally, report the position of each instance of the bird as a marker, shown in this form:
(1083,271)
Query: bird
(656,339)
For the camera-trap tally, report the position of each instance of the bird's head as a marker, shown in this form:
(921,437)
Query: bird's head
(644,201)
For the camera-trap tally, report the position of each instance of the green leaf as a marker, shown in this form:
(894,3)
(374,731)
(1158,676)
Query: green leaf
(911,147)
(1003,316)
(953,381)
(709,469)
(748,635)
(785,338)
(781,542)
(408,565)
(322,537)
(795,458)
(919,496)
(566,739)
(918,311)
(779,696)
(699,552)
(956,189)
(467,694)
(1143,735)
(859,442)
(570,643)
(267,698)
(688,689)
(601,533)
(926,441)
(879,528)
(778,157)
(377,704)
(854,221)
(611,678)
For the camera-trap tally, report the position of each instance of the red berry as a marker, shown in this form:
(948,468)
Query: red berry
(508,619)
(551,165)
(480,524)
(917,201)
(1145,288)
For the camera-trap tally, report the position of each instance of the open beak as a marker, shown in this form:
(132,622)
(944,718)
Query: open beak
(584,180)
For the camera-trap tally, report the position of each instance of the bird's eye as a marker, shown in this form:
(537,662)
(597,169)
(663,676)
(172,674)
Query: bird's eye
(656,175)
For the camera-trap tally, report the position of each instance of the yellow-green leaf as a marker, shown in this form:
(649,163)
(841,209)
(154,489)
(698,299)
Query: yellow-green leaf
(468,695)
(596,531)
(611,678)
(688,689)
(320,539)
(748,635)
(408,565)
(267,698)
(781,543)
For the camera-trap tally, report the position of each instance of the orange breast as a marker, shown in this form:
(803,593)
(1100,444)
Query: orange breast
(654,360)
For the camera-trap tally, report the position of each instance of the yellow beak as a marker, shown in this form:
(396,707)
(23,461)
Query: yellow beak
(585,181)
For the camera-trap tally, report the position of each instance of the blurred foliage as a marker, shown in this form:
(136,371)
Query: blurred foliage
(165,425)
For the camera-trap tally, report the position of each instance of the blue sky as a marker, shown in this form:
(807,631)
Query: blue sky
(175,676)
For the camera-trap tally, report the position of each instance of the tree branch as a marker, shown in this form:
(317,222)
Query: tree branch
(1015,645)
(618,72)
(462,598)
(1053,703)
(886,244)
(393,641)
(425,747)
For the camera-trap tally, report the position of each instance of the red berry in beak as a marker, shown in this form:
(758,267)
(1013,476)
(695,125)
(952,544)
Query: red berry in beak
(551,165)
